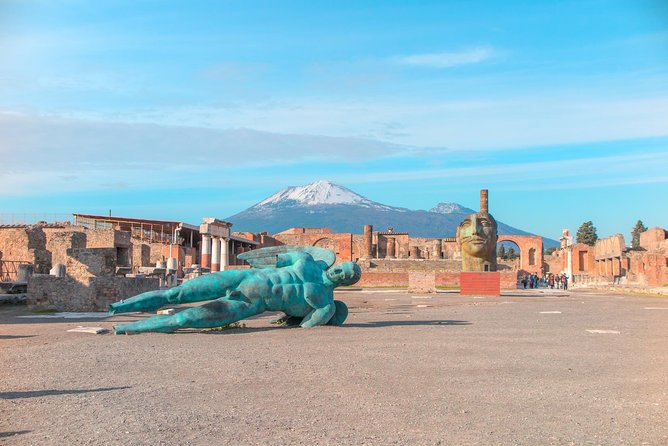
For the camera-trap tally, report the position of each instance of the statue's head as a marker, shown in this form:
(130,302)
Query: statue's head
(346,273)
(477,237)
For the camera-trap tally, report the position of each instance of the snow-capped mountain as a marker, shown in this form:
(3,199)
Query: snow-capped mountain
(327,205)
(319,193)
(451,208)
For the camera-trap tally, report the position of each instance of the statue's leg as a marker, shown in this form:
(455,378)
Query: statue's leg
(340,314)
(218,313)
(207,287)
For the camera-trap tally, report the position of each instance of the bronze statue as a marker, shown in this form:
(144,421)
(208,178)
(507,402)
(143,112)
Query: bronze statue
(477,236)
(297,280)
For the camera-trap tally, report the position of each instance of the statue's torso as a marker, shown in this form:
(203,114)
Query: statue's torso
(282,289)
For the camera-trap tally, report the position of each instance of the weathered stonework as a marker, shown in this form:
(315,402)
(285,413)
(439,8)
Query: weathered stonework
(88,294)
(421,281)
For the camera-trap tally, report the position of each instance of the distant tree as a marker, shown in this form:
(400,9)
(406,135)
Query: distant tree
(635,234)
(586,234)
(550,251)
(510,254)
(501,252)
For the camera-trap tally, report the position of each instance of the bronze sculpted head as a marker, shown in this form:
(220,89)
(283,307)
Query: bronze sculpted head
(477,237)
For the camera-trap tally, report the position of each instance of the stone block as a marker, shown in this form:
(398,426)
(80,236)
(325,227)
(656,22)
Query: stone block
(480,284)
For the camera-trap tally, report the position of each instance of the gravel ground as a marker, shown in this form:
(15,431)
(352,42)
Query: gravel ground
(440,369)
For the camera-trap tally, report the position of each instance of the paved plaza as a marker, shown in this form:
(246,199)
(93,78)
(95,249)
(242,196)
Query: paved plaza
(531,367)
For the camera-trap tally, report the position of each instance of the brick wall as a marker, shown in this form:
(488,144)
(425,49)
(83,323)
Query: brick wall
(340,243)
(383,279)
(481,284)
(382,265)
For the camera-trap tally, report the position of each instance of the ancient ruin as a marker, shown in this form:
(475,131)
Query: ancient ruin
(102,259)
(611,262)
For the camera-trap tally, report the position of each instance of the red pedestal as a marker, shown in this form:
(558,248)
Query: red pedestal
(480,284)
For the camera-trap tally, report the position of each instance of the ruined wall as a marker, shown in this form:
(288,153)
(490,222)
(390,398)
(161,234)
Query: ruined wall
(100,238)
(648,268)
(654,239)
(91,262)
(584,261)
(421,282)
(387,265)
(14,244)
(443,279)
(556,262)
(340,243)
(451,249)
(383,279)
(59,240)
(26,244)
(91,294)
(425,248)
(612,246)
(141,254)
(156,253)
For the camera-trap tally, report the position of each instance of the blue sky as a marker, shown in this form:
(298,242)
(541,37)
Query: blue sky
(180,110)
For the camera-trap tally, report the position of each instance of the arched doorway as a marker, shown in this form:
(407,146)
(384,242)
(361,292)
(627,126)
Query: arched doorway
(508,254)
(530,250)
(327,243)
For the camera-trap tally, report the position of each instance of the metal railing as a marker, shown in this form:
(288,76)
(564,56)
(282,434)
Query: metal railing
(9,269)
(29,218)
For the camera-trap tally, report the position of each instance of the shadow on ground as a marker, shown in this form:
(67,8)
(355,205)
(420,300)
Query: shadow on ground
(404,323)
(11,434)
(41,393)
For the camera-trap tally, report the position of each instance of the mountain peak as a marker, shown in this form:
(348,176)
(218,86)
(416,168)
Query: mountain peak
(321,192)
(451,208)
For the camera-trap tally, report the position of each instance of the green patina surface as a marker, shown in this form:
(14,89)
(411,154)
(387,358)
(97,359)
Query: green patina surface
(300,283)
(477,236)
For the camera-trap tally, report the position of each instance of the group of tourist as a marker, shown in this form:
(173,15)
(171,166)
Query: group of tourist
(549,280)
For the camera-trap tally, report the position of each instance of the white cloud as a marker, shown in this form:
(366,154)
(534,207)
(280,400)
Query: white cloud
(447,59)
(70,148)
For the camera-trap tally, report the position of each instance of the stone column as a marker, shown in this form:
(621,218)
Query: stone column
(484,201)
(215,254)
(224,254)
(389,251)
(438,247)
(205,262)
(368,241)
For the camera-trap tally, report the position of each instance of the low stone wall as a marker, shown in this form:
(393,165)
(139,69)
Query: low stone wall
(91,294)
(449,279)
(383,279)
(481,284)
(421,282)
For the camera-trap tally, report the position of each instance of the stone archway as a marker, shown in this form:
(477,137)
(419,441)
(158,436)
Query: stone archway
(531,251)
(505,263)
(327,243)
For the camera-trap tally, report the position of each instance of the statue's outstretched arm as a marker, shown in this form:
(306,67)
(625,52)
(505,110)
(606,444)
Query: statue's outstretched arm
(321,299)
